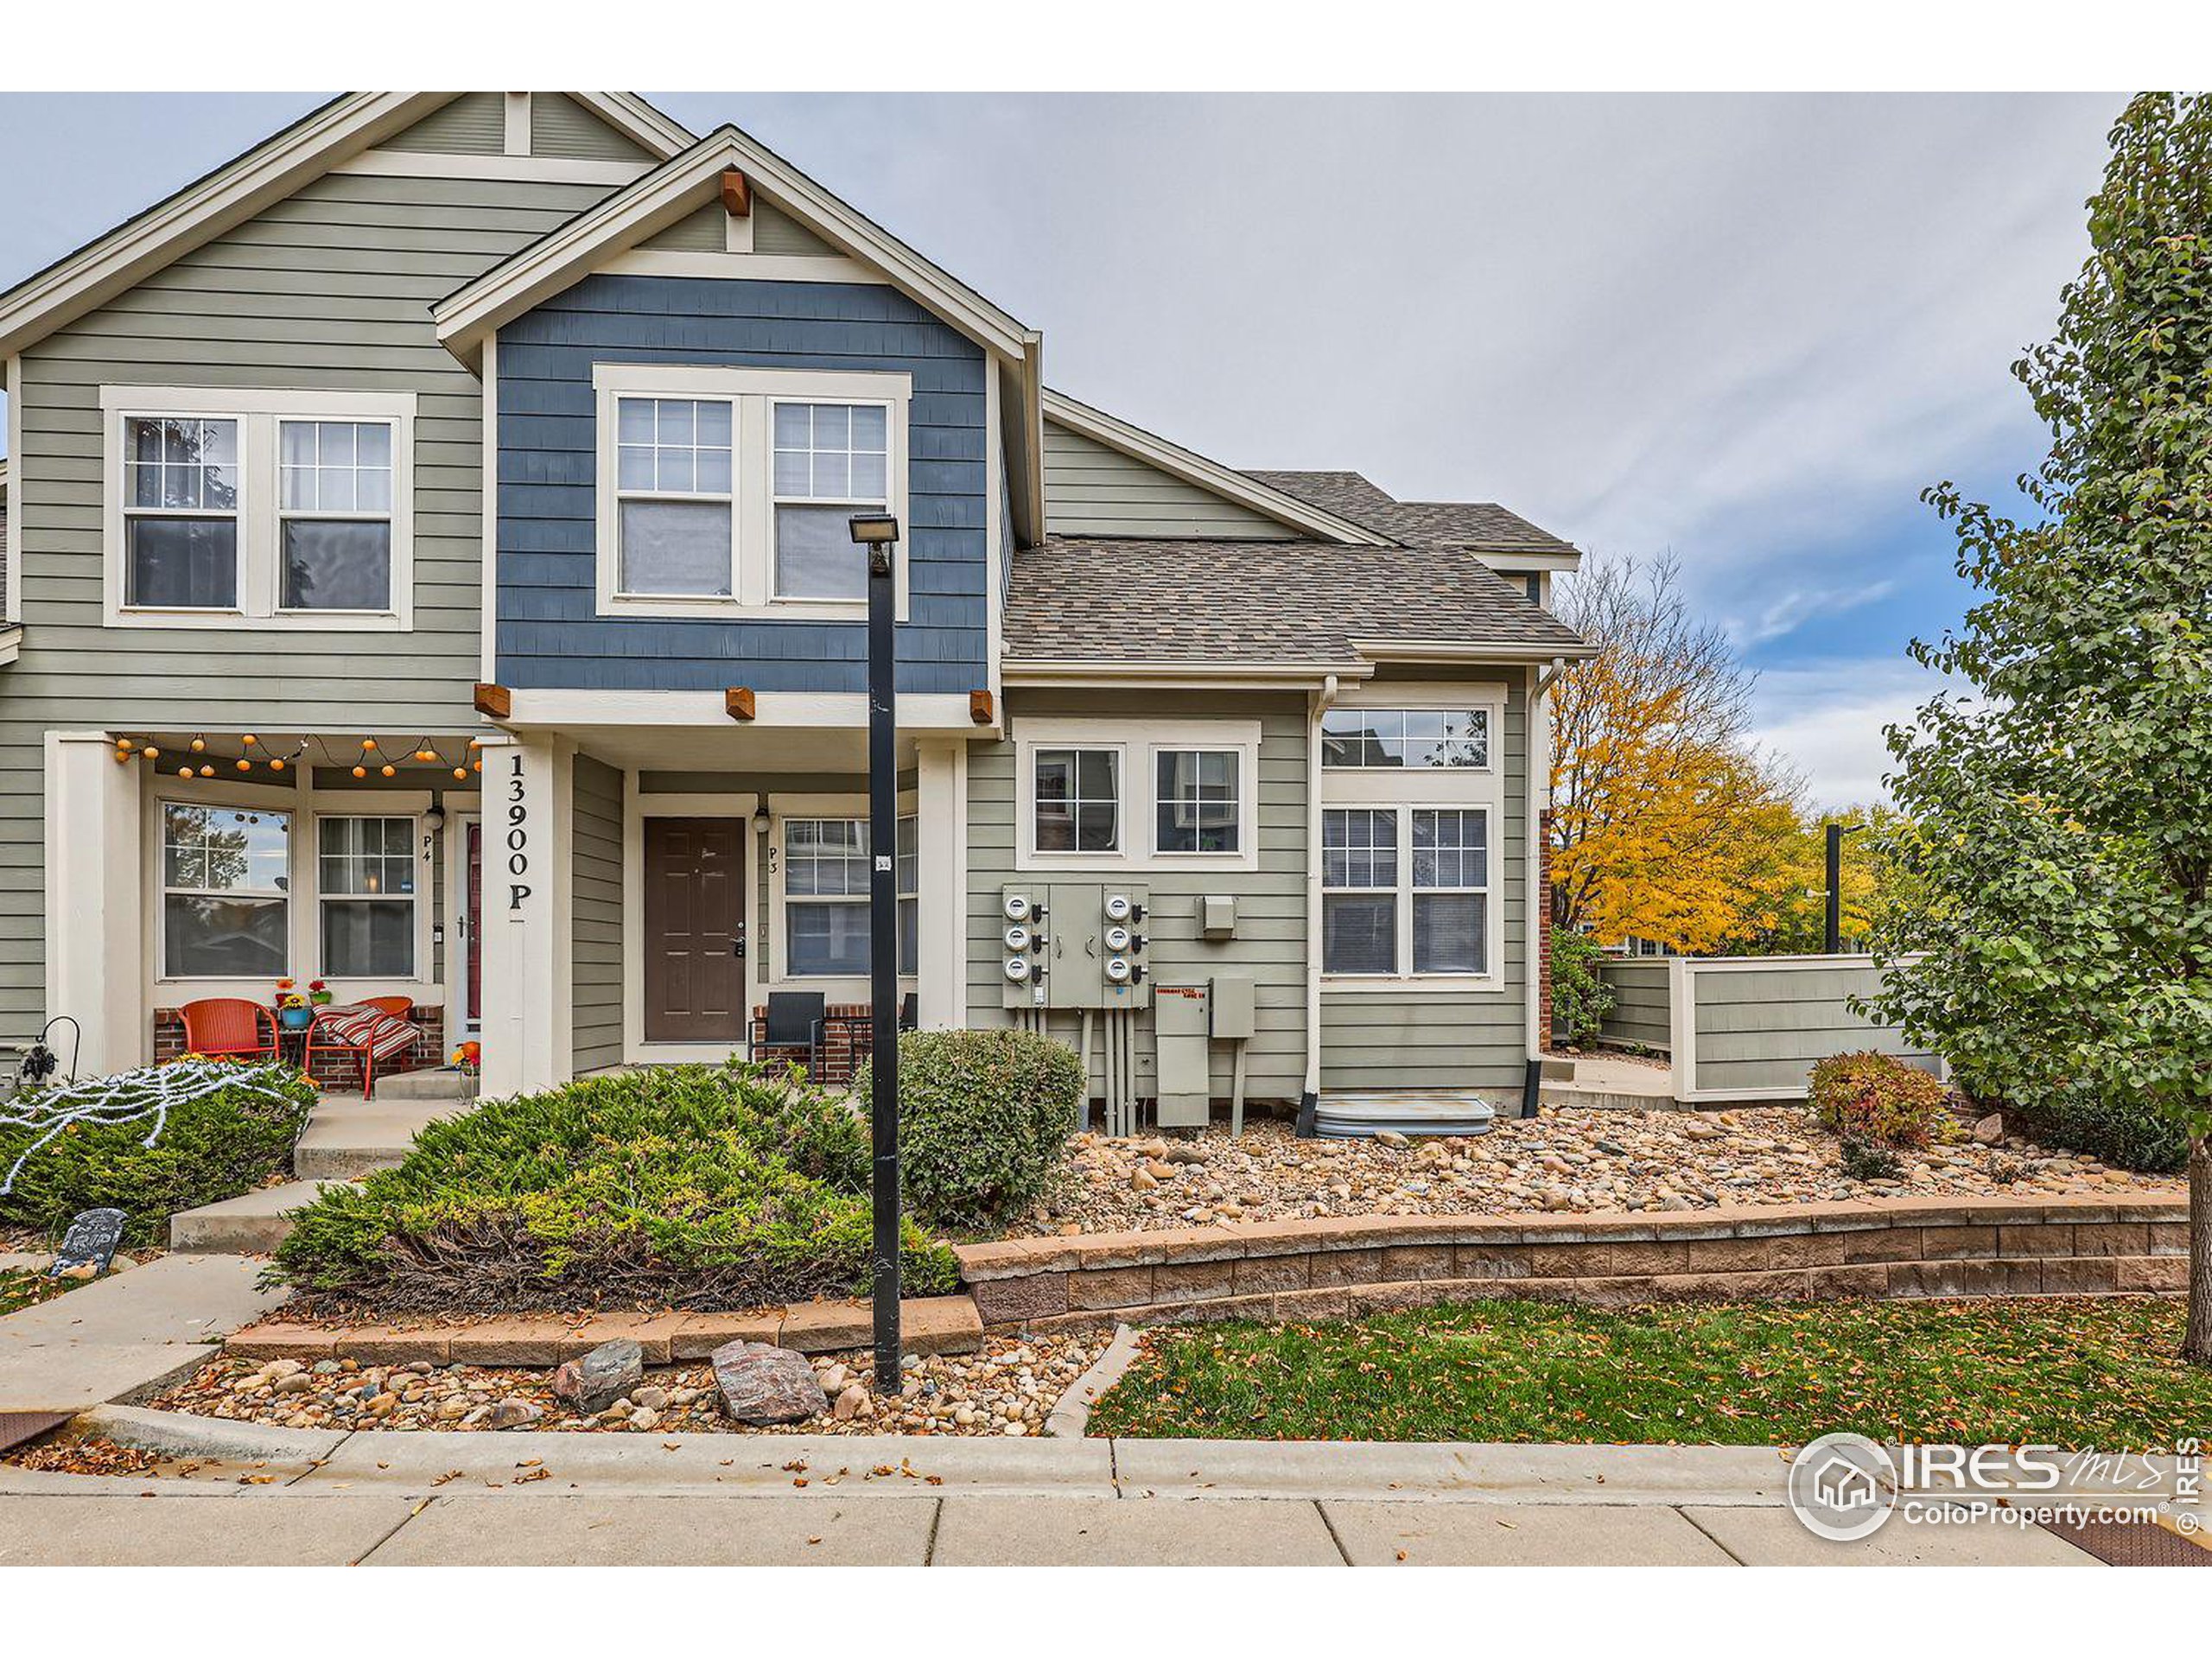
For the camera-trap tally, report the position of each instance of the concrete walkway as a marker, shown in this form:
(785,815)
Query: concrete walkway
(393,1499)
(127,1332)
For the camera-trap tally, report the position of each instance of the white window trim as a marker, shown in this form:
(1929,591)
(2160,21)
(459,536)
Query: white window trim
(837,988)
(751,393)
(1138,743)
(307,805)
(258,411)
(1411,789)
(413,897)
(1492,978)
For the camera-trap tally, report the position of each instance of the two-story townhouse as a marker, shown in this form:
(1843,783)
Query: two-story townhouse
(428,550)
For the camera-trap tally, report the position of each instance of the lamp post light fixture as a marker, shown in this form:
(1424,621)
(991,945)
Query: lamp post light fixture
(878,532)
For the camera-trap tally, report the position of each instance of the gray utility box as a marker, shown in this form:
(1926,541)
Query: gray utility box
(1074,945)
(1235,1014)
(1181,1028)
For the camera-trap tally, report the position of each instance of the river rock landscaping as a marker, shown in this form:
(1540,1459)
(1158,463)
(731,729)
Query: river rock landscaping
(1572,1161)
(1007,1389)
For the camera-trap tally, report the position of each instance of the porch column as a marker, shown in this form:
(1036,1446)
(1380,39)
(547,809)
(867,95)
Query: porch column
(95,932)
(941,828)
(526,943)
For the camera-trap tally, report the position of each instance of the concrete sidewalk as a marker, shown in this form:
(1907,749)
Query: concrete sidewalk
(262,1527)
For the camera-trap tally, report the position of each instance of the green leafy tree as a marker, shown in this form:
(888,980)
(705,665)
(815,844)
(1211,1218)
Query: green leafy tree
(2060,817)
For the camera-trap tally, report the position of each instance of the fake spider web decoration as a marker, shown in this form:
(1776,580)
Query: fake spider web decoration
(151,1092)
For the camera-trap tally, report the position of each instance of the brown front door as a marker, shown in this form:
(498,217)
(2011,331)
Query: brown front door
(695,909)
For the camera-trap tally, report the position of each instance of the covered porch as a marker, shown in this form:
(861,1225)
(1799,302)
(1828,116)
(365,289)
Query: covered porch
(694,885)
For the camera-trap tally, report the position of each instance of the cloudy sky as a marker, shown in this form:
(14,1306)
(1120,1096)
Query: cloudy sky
(1746,331)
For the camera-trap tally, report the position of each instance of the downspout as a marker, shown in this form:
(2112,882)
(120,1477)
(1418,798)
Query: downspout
(1538,741)
(1319,704)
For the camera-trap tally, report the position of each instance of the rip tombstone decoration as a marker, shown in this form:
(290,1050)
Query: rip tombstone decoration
(91,1243)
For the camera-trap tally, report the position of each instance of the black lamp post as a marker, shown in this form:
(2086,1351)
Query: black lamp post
(1836,833)
(878,532)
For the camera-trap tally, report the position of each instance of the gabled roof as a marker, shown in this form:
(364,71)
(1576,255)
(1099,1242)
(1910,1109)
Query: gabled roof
(244,186)
(1249,490)
(1080,604)
(641,209)
(1482,525)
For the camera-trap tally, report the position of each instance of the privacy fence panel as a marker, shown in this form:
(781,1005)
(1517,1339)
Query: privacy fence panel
(1639,1019)
(1753,1028)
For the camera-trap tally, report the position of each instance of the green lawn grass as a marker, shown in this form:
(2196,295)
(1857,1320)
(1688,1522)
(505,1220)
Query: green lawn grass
(2079,1372)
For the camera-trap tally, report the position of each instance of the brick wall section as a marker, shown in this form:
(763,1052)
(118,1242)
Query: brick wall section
(848,1038)
(1544,930)
(1338,1267)
(429,1048)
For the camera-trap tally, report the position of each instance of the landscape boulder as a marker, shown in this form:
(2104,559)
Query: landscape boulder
(1990,1132)
(762,1384)
(602,1376)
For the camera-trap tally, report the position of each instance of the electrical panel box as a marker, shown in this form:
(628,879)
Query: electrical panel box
(1218,916)
(1179,1028)
(1074,945)
(1232,1007)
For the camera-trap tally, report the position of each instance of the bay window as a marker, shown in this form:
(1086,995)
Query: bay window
(365,884)
(226,886)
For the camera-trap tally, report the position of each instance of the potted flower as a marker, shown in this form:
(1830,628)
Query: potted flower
(467,1058)
(318,993)
(292,1010)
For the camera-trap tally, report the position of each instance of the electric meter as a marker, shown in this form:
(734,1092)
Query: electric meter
(1017,968)
(1117,907)
(1117,937)
(1118,969)
(1017,907)
(1017,938)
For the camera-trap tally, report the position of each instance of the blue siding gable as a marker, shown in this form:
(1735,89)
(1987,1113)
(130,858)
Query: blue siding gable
(548,634)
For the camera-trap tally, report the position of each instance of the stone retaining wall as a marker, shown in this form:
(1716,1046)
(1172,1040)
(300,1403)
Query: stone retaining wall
(1340,1266)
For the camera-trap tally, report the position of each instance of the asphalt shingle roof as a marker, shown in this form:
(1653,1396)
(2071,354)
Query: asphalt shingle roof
(1482,524)
(1099,600)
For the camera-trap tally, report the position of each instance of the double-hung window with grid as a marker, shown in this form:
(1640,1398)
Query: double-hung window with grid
(1405,890)
(826,897)
(365,882)
(675,500)
(831,461)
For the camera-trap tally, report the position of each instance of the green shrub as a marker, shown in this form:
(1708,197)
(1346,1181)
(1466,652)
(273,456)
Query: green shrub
(211,1147)
(1879,1097)
(683,1186)
(983,1119)
(2124,1130)
(1581,998)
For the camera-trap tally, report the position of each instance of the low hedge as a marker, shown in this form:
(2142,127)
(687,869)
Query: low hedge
(680,1187)
(2126,1132)
(983,1119)
(1881,1098)
(209,1146)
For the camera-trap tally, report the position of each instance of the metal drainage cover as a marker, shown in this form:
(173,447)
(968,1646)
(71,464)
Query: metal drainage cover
(21,1427)
(2131,1543)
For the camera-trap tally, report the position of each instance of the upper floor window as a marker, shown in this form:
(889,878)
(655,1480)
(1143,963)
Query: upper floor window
(832,461)
(257,508)
(673,480)
(733,487)
(1409,739)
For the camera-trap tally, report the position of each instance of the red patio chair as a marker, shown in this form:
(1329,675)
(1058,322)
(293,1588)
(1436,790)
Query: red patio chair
(400,1008)
(230,1026)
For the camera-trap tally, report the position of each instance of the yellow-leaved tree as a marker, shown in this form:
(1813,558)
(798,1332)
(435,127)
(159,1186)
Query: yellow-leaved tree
(1666,824)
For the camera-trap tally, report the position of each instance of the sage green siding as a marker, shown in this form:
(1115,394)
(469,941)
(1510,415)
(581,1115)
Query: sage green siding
(704,231)
(560,126)
(475,124)
(1639,1015)
(329,288)
(1270,942)
(1090,489)
(1408,1035)
(595,871)
(1762,1028)
(777,232)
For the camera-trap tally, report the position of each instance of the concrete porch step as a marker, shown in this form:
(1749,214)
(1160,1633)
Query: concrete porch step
(439,1082)
(253,1224)
(348,1137)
